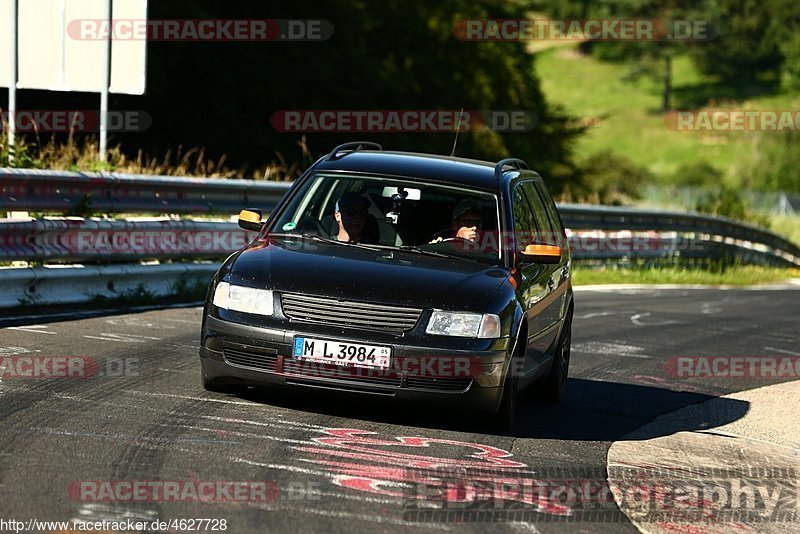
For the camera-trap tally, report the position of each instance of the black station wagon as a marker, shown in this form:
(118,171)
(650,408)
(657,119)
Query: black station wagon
(420,277)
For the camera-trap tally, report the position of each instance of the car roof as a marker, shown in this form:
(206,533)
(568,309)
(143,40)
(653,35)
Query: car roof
(446,169)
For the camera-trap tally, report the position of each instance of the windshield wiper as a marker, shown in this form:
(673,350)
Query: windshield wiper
(418,250)
(316,237)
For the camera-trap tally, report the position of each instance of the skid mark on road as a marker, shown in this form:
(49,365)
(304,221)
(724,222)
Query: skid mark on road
(783,351)
(636,319)
(338,514)
(13,351)
(369,468)
(123,338)
(187,397)
(523,527)
(595,314)
(34,329)
(127,437)
(112,513)
(610,349)
(274,424)
(235,433)
(139,322)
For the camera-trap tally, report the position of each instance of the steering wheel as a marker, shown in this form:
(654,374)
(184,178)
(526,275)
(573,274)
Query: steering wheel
(467,244)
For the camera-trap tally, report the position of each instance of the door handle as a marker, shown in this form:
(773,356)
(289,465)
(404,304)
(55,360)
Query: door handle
(565,273)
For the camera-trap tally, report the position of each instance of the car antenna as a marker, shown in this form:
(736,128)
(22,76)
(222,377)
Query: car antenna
(458,129)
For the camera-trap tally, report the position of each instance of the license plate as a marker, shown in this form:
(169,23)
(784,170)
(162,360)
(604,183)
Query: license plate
(342,353)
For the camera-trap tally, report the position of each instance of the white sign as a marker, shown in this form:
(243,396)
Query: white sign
(53,56)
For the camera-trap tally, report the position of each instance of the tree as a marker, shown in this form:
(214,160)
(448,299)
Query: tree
(747,44)
(383,55)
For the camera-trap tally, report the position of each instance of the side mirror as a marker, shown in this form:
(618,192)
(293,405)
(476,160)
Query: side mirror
(250,219)
(537,253)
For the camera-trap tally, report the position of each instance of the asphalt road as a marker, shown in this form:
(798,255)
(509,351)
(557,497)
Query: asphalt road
(337,463)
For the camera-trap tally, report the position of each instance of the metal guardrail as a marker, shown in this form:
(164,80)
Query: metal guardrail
(79,240)
(64,192)
(701,236)
(581,217)
(596,232)
(84,284)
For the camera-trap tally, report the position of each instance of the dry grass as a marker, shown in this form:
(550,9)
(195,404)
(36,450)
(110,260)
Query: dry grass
(742,275)
(83,156)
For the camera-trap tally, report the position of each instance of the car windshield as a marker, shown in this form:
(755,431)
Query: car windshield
(393,213)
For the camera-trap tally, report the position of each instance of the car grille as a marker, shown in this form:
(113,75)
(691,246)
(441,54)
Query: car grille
(362,315)
(350,374)
(439,384)
(253,360)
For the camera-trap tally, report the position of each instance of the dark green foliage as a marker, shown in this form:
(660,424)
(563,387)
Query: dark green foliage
(610,179)
(383,55)
(728,202)
(697,174)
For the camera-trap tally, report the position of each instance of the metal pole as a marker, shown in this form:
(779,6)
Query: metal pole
(106,84)
(12,83)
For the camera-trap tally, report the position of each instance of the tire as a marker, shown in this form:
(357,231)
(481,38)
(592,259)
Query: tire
(551,388)
(215,384)
(503,419)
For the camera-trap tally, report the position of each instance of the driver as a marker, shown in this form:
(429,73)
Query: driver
(467,222)
(351,217)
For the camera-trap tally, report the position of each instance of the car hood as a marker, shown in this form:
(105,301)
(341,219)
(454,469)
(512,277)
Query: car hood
(353,273)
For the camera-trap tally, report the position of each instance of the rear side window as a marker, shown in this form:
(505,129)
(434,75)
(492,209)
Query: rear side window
(552,212)
(525,227)
(546,233)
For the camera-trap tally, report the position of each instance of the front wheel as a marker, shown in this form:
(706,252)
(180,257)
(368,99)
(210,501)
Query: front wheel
(215,384)
(503,420)
(552,387)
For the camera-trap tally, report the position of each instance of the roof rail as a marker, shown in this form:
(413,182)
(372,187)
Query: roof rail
(353,146)
(512,162)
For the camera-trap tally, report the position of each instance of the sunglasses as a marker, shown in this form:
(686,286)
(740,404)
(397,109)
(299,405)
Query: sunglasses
(470,221)
(354,212)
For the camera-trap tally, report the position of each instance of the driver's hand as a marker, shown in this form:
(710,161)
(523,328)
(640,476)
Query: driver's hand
(468,232)
(437,240)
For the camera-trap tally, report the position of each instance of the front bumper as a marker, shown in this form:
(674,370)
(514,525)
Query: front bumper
(463,377)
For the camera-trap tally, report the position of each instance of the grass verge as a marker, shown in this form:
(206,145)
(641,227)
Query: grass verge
(623,114)
(744,275)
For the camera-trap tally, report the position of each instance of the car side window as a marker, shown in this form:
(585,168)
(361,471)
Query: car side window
(525,227)
(552,213)
(546,233)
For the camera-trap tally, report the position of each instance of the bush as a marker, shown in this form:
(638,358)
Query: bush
(773,164)
(609,178)
(728,202)
(697,173)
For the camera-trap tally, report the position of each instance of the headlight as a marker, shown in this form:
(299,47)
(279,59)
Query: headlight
(243,299)
(464,324)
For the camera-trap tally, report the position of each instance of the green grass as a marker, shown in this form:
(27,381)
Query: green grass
(734,276)
(624,116)
(787,226)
